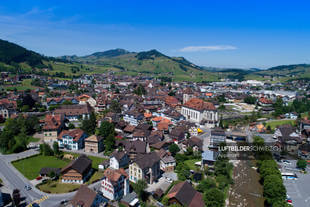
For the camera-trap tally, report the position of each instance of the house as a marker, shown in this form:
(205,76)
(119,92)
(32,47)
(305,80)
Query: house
(133,148)
(185,195)
(7,108)
(84,99)
(94,144)
(60,101)
(289,139)
(178,134)
(85,197)
(209,157)
(46,171)
(265,102)
(171,101)
(72,139)
(145,167)
(53,125)
(133,118)
(304,151)
(119,159)
(198,111)
(75,112)
(77,171)
(130,200)
(167,162)
(194,142)
(115,184)
(218,136)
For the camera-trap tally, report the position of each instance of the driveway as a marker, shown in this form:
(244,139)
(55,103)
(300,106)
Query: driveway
(162,183)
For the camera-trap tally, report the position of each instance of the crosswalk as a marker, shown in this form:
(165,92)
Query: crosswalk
(43,198)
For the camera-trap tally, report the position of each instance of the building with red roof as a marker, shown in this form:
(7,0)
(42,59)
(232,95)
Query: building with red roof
(199,111)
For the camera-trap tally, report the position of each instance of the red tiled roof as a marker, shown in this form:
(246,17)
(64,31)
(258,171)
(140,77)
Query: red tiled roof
(75,133)
(199,105)
(53,121)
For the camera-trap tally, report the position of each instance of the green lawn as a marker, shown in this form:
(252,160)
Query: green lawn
(30,167)
(275,123)
(32,139)
(57,187)
(191,163)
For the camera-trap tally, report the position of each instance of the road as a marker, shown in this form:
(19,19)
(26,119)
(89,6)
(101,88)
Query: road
(15,180)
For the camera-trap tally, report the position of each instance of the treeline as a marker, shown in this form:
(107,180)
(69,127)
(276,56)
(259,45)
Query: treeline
(298,105)
(270,177)
(15,135)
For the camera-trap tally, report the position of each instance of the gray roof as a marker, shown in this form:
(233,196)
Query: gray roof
(210,155)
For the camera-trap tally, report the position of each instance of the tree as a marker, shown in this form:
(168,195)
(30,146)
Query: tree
(56,148)
(71,126)
(46,150)
(274,190)
(89,125)
(140,90)
(174,149)
(302,164)
(115,107)
(214,198)
(139,188)
(250,100)
(206,184)
(16,199)
(106,128)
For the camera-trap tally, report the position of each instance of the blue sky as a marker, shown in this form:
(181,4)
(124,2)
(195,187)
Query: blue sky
(220,33)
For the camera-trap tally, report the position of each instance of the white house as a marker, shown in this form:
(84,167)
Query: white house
(72,139)
(198,111)
(115,184)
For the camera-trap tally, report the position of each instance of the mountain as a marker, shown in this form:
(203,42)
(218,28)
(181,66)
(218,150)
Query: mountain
(13,53)
(145,62)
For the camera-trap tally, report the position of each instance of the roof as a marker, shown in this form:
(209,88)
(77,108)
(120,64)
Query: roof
(114,175)
(172,101)
(209,155)
(48,170)
(75,133)
(81,164)
(147,160)
(74,110)
(84,197)
(129,128)
(186,195)
(199,105)
(118,155)
(53,121)
(94,138)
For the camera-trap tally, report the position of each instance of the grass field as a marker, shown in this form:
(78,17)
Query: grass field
(275,123)
(30,167)
(57,187)
(32,139)
(191,163)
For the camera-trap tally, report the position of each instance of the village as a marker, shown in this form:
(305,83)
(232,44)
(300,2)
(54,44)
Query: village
(108,140)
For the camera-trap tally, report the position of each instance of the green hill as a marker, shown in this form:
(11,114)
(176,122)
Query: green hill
(147,62)
(11,53)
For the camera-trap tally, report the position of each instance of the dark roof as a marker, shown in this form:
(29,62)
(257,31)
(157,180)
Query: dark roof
(186,195)
(48,170)
(81,164)
(118,155)
(147,160)
(84,197)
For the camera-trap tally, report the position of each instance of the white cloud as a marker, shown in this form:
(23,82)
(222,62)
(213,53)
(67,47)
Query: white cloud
(207,48)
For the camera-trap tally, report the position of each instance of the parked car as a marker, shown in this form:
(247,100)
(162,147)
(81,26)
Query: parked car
(286,162)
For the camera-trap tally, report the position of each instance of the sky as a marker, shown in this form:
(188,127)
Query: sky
(215,33)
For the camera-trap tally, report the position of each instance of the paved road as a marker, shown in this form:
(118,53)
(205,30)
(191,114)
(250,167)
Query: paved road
(205,136)
(15,180)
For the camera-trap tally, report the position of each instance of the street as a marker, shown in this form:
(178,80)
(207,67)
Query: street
(13,179)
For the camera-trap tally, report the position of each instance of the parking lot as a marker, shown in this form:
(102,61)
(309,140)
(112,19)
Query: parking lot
(298,190)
